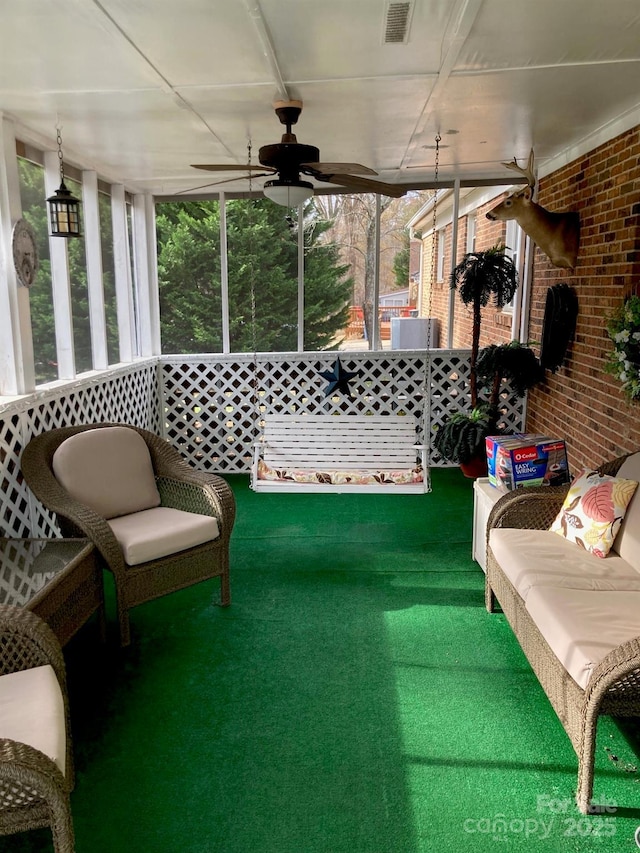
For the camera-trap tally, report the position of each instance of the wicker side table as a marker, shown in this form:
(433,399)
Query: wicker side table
(58,579)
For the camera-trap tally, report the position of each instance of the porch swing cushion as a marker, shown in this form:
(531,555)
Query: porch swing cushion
(340,478)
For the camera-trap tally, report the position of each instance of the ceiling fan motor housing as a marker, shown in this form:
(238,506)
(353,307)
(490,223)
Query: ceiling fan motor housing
(286,158)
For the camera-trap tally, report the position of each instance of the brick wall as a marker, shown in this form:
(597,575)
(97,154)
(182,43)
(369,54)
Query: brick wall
(581,401)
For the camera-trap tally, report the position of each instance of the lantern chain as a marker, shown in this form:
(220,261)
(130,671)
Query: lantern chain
(60,160)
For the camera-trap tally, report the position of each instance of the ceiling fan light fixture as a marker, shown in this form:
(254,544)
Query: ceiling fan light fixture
(288,193)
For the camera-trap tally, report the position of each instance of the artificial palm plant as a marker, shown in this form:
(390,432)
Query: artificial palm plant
(480,277)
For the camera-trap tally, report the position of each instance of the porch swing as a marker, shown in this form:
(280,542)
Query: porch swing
(338,452)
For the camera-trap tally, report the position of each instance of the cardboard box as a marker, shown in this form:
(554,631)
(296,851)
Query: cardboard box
(533,461)
(493,442)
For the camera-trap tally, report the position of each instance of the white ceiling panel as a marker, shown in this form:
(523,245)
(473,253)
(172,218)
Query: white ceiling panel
(133,136)
(194,42)
(335,39)
(66,46)
(144,88)
(551,33)
(498,116)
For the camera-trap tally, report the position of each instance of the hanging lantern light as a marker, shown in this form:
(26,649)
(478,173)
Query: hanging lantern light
(64,208)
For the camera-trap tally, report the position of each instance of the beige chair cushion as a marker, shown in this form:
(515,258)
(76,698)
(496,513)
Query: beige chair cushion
(108,469)
(32,711)
(627,542)
(155,533)
(532,558)
(582,626)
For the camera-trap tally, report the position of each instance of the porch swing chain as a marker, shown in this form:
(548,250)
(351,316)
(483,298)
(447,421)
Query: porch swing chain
(432,274)
(257,427)
(432,278)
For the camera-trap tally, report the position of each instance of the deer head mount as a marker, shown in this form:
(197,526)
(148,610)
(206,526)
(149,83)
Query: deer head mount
(557,234)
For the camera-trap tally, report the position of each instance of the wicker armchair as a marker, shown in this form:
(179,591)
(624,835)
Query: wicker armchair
(614,686)
(180,487)
(34,789)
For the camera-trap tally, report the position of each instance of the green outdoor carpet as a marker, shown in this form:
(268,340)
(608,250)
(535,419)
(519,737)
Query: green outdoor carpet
(355,698)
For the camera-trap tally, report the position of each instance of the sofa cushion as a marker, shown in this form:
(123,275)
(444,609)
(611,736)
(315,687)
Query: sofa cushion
(593,511)
(32,712)
(627,542)
(540,558)
(108,469)
(582,626)
(158,532)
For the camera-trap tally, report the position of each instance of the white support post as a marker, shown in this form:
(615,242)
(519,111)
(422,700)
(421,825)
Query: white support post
(146,274)
(526,286)
(93,246)
(374,344)
(224,275)
(527,282)
(17,374)
(516,317)
(301,278)
(122,272)
(60,282)
(421,273)
(152,265)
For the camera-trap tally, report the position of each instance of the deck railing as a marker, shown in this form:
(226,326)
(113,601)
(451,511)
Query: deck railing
(355,328)
(210,407)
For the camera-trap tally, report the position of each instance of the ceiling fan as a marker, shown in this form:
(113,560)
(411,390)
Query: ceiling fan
(288,159)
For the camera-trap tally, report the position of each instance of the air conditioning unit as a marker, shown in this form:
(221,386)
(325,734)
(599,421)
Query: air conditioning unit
(415,333)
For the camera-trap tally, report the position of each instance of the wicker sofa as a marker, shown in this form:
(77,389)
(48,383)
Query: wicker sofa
(36,757)
(575,615)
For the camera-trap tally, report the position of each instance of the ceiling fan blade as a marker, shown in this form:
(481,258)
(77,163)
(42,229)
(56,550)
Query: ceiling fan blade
(364,185)
(338,168)
(225,167)
(251,177)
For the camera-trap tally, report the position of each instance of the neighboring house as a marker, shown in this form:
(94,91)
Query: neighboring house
(396,298)
(474,233)
(398,303)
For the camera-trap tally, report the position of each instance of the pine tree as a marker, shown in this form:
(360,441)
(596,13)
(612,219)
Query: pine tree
(262,246)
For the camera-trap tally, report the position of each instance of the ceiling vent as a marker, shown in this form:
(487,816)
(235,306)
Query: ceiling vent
(397,20)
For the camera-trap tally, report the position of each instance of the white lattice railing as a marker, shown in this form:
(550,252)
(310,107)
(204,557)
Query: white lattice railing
(213,405)
(210,407)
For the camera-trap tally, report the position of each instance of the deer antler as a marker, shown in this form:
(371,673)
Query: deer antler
(527,172)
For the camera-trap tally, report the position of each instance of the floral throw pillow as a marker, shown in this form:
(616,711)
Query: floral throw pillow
(593,511)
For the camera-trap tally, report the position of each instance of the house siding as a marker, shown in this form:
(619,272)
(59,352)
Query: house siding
(496,325)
